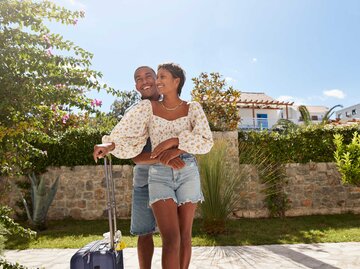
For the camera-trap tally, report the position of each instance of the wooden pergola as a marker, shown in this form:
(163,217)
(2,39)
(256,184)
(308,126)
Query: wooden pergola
(265,104)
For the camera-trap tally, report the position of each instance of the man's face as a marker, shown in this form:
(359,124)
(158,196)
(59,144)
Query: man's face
(145,83)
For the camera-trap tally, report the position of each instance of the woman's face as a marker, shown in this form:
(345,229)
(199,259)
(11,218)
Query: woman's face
(165,82)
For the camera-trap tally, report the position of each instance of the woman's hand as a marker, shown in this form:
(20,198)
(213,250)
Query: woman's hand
(166,156)
(101,150)
(165,145)
(176,163)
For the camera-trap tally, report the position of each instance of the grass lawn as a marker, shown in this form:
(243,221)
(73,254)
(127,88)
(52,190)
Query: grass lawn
(307,229)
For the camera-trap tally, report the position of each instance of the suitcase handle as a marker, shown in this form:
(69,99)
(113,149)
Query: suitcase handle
(110,197)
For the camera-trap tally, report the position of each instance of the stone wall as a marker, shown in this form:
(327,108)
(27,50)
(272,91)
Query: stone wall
(313,188)
(316,188)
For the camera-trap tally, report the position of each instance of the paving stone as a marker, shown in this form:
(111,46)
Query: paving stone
(315,256)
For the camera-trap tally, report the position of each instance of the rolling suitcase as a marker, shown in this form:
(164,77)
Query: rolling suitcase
(103,254)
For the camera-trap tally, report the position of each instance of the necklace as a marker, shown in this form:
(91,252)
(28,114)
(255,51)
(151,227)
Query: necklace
(173,108)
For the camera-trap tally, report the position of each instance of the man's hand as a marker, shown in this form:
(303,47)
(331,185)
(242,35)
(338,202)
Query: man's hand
(101,150)
(165,145)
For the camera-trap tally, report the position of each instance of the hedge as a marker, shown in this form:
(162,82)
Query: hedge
(314,143)
(71,148)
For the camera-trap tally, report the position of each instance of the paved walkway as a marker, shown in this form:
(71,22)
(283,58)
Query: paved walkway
(319,256)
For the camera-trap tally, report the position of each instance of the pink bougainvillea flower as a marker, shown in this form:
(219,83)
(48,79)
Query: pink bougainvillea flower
(46,38)
(65,118)
(48,52)
(75,21)
(96,102)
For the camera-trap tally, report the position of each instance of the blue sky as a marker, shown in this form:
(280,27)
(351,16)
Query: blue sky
(305,51)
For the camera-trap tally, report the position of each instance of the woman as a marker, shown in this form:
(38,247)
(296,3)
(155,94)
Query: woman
(176,129)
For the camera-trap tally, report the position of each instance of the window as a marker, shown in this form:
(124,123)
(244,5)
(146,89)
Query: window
(314,117)
(353,112)
(262,121)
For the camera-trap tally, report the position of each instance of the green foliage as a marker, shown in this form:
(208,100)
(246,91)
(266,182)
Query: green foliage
(41,199)
(284,126)
(8,265)
(71,148)
(328,114)
(9,227)
(42,78)
(305,114)
(125,100)
(313,143)
(219,103)
(3,232)
(70,233)
(347,158)
(220,181)
(271,174)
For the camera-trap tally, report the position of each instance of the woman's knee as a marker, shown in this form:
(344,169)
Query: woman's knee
(185,239)
(171,239)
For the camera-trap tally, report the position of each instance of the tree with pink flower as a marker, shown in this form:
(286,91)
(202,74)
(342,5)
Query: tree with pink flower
(44,78)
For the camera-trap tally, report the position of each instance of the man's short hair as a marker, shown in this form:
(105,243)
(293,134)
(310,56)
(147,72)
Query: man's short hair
(143,66)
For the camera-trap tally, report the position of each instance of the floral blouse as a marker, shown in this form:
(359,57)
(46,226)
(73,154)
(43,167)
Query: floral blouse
(139,123)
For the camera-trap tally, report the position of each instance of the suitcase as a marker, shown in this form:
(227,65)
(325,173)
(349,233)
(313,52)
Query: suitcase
(102,254)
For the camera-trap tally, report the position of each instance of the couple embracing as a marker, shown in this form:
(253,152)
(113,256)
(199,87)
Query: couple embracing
(161,134)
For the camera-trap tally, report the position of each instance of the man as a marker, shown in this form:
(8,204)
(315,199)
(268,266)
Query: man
(142,219)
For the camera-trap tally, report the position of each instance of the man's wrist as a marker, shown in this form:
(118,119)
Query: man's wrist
(109,146)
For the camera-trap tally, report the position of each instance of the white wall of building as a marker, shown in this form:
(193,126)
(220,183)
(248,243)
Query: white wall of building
(248,121)
(348,113)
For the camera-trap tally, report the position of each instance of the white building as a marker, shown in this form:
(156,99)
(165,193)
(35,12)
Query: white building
(317,114)
(260,111)
(348,113)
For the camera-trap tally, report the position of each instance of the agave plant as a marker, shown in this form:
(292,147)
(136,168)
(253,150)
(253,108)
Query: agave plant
(41,199)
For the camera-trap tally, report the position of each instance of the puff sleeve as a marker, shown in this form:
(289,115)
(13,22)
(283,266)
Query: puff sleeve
(131,133)
(199,140)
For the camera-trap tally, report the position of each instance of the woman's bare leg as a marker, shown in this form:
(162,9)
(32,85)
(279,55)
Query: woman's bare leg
(186,217)
(166,215)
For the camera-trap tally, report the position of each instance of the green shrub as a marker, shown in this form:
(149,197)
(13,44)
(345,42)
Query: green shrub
(71,148)
(313,143)
(8,227)
(347,158)
(218,101)
(220,179)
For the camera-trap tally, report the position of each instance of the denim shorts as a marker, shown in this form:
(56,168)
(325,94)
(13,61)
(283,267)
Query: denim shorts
(180,185)
(142,218)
